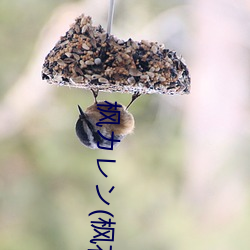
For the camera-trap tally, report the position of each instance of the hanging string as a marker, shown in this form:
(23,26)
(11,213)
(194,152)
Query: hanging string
(110,16)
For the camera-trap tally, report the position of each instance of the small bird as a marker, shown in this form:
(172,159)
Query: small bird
(87,128)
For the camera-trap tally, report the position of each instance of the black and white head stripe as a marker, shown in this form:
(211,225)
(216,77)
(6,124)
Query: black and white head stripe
(88,135)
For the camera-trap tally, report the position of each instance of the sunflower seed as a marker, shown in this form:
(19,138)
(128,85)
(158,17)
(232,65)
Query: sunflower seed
(145,42)
(88,62)
(68,54)
(144,78)
(134,72)
(64,43)
(131,80)
(61,62)
(103,80)
(85,46)
(69,60)
(77,29)
(120,42)
(154,49)
(77,79)
(78,70)
(95,76)
(135,45)
(77,57)
(150,74)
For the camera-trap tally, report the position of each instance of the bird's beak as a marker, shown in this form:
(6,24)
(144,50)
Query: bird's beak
(82,115)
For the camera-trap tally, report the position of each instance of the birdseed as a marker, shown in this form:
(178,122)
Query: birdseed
(87,57)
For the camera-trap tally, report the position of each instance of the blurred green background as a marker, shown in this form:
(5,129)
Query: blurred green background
(181,180)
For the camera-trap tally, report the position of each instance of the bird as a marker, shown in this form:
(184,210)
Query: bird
(92,133)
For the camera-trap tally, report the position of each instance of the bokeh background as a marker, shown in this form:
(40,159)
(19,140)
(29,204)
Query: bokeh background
(181,180)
